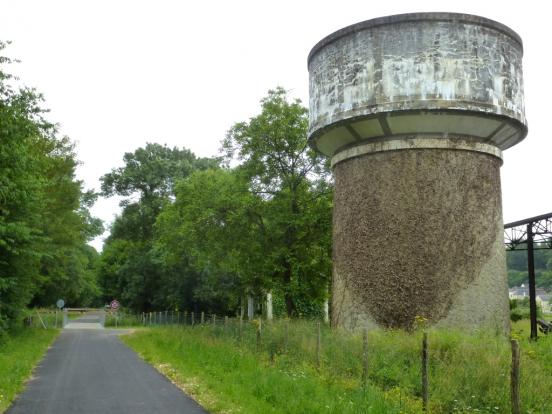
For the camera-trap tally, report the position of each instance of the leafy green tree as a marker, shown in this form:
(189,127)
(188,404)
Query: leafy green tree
(131,270)
(43,225)
(215,224)
(151,172)
(516,277)
(293,180)
(516,261)
(65,268)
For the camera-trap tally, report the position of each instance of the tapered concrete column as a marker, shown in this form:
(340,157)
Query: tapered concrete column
(415,111)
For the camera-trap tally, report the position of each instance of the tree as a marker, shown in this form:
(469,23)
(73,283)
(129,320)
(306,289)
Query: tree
(516,261)
(131,269)
(293,180)
(215,224)
(151,172)
(65,268)
(43,224)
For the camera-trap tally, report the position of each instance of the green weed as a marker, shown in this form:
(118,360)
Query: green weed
(278,372)
(19,353)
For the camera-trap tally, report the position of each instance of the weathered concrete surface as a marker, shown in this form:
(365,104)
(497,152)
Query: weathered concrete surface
(415,111)
(419,233)
(416,142)
(464,71)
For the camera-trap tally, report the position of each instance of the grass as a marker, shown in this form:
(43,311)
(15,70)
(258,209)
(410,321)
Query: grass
(224,378)
(35,317)
(124,320)
(19,354)
(468,373)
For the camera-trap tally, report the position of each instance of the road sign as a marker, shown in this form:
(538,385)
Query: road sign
(60,303)
(114,304)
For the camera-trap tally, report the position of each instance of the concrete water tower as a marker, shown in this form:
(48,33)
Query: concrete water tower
(415,111)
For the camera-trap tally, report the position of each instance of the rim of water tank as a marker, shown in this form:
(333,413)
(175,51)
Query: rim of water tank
(415,17)
(314,134)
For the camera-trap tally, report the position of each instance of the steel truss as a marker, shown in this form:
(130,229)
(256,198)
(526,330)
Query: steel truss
(531,234)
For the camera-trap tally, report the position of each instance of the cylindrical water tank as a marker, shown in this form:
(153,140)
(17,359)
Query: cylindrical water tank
(414,111)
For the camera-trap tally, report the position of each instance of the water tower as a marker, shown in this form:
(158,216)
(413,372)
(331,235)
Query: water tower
(415,111)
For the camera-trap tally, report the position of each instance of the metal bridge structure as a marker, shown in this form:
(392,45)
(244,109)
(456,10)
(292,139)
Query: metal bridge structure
(530,234)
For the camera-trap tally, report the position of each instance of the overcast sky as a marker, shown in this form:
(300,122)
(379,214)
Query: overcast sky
(117,74)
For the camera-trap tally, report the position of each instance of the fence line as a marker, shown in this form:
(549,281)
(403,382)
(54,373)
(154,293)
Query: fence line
(260,336)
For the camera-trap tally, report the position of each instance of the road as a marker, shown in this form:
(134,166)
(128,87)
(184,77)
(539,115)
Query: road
(89,370)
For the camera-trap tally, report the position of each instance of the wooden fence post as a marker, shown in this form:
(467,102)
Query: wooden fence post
(425,381)
(202,318)
(514,379)
(193,318)
(214,319)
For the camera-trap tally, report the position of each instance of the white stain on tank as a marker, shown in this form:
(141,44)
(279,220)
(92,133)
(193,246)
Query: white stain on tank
(415,78)
(477,67)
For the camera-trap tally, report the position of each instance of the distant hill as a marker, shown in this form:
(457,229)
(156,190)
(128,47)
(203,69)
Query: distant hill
(516,261)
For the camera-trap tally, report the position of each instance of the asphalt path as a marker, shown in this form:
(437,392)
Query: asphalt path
(91,371)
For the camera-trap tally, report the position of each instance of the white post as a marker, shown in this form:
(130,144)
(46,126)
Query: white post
(326,311)
(250,307)
(269,306)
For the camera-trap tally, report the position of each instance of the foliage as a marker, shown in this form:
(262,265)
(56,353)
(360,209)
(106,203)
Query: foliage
(44,218)
(293,180)
(152,172)
(196,236)
(516,261)
(122,319)
(223,378)
(467,372)
(519,309)
(131,270)
(215,223)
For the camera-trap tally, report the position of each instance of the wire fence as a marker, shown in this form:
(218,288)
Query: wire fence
(43,318)
(421,364)
(442,366)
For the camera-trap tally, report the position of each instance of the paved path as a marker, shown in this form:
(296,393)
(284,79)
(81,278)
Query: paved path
(91,371)
(87,321)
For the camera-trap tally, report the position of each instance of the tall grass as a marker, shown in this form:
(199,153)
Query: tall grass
(19,353)
(122,320)
(36,317)
(468,373)
(226,378)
